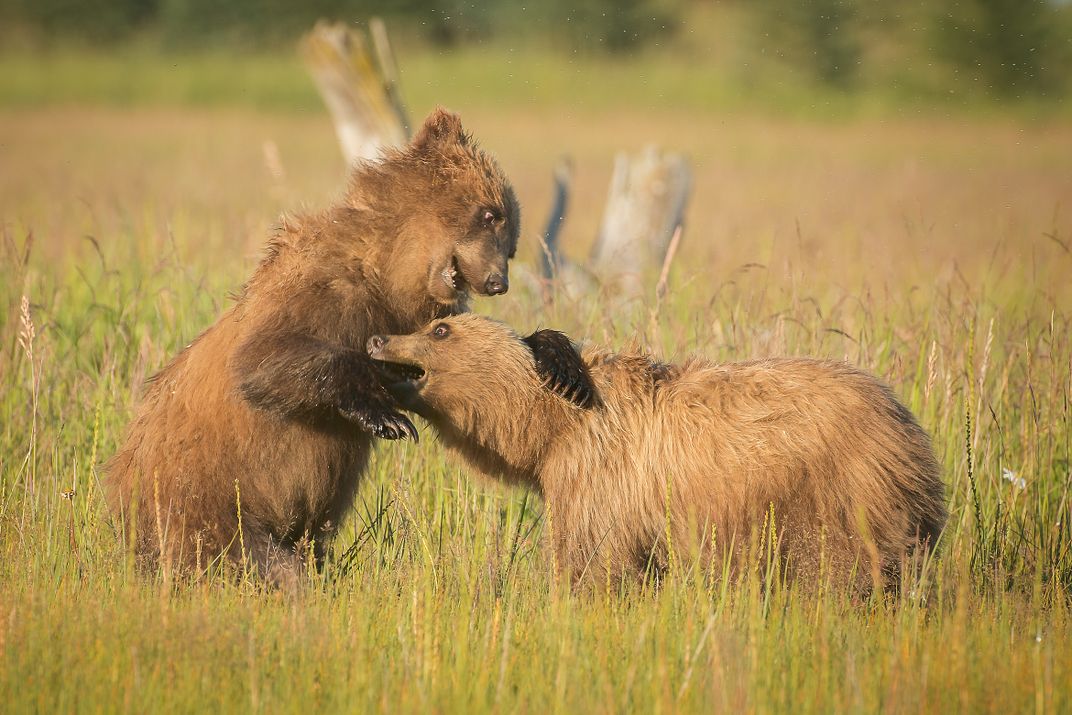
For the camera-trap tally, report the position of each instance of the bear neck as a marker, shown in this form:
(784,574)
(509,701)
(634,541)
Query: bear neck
(510,441)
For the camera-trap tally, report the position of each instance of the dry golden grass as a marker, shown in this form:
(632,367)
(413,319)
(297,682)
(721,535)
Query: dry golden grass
(881,200)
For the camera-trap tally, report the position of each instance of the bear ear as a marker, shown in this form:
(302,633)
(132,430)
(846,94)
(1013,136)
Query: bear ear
(561,367)
(441,127)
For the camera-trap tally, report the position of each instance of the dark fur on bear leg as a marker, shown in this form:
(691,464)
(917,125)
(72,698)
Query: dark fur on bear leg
(300,376)
(561,367)
(278,565)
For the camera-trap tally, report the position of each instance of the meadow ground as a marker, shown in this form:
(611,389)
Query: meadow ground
(933,251)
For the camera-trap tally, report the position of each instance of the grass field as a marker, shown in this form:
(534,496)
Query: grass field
(933,251)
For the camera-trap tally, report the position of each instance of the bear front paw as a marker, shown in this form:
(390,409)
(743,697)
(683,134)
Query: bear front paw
(561,367)
(385,424)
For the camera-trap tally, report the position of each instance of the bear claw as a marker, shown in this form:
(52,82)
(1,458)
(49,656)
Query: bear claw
(384,424)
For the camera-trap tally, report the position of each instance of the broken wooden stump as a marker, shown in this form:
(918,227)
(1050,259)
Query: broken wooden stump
(358,79)
(645,205)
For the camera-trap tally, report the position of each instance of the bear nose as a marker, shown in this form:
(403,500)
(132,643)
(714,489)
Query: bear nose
(496,284)
(375,344)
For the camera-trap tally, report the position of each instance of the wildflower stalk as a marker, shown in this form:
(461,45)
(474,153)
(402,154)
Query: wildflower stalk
(27,333)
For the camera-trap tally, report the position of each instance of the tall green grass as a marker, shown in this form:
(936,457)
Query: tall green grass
(441,595)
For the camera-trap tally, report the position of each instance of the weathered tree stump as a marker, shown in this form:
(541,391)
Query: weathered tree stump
(645,205)
(358,80)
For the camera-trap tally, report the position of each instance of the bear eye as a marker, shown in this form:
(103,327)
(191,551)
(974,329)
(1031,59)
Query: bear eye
(441,331)
(489,217)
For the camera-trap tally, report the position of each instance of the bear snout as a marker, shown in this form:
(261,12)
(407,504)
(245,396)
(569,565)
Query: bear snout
(496,284)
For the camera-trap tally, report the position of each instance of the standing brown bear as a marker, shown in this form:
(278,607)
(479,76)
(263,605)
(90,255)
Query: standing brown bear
(275,405)
(627,452)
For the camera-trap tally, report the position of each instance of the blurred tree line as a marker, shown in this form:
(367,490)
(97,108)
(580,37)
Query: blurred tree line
(1014,47)
(1011,47)
(602,25)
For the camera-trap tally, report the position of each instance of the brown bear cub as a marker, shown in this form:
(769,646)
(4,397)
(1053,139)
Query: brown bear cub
(275,405)
(627,451)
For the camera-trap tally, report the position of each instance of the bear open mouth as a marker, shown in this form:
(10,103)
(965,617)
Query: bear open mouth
(452,276)
(400,371)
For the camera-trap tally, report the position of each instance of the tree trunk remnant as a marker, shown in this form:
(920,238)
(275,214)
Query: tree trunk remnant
(645,205)
(359,85)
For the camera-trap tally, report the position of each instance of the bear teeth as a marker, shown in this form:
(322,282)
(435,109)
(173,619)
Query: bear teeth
(409,372)
(401,371)
(452,276)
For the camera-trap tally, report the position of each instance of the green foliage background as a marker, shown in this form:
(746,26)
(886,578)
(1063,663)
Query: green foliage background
(1004,48)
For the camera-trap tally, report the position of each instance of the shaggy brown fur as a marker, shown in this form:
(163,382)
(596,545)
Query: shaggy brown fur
(696,450)
(276,403)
